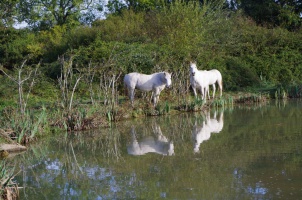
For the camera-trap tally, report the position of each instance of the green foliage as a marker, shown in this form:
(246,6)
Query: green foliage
(55,43)
(8,12)
(121,56)
(55,12)
(80,36)
(127,27)
(117,7)
(285,13)
(223,101)
(239,75)
(166,39)
(17,45)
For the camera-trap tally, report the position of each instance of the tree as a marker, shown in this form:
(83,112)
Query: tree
(7,12)
(116,6)
(44,14)
(284,13)
(20,81)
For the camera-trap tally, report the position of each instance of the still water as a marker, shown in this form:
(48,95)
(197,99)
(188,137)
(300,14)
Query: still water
(244,152)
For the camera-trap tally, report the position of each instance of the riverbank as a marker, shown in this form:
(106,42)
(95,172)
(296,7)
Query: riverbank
(43,121)
(40,120)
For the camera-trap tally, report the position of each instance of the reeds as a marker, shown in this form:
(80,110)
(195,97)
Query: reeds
(280,94)
(223,101)
(252,98)
(25,127)
(9,189)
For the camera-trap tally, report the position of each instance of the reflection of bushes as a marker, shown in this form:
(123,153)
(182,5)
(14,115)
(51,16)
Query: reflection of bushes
(9,189)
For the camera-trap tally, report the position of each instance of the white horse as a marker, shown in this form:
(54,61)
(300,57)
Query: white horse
(159,144)
(201,79)
(201,133)
(154,82)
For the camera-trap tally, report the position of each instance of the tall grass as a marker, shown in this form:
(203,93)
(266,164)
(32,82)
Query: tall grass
(223,101)
(24,128)
(9,189)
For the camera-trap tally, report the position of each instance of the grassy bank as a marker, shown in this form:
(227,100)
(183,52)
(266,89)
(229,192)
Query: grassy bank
(46,118)
(49,118)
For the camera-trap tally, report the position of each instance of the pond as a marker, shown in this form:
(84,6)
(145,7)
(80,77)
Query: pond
(243,152)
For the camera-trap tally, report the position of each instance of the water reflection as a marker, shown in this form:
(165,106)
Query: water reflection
(256,155)
(158,143)
(202,132)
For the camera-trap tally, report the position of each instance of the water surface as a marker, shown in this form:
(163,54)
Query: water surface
(244,152)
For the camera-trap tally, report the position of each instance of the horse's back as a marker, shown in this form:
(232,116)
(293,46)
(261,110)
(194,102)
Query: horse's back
(217,73)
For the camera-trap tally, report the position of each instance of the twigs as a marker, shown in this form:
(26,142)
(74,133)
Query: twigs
(68,80)
(20,81)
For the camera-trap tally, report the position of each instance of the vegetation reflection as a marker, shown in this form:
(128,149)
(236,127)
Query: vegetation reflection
(256,152)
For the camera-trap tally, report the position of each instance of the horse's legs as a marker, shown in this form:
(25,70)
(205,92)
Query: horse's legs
(131,95)
(201,92)
(151,99)
(214,89)
(154,97)
(208,92)
(220,87)
(154,100)
(215,115)
(221,117)
(194,90)
(204,93)
(156,93)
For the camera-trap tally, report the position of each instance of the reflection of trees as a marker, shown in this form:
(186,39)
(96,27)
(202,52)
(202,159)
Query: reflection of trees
(256,144)
(70,167)
(270,132)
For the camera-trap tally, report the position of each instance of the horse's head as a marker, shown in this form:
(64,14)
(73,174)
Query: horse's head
(193,69)
(168,79)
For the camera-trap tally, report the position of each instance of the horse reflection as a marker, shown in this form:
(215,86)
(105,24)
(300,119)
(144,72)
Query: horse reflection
(149,144)
(203,132)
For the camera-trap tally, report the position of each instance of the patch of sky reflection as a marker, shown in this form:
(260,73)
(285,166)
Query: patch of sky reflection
(69,191)
(133,179)
(53,165)
(53,170)
(257,190)
(108,180)
(163,195)
(97,173)
(237,174)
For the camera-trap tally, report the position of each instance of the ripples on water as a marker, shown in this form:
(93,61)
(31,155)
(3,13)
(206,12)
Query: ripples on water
(236,153)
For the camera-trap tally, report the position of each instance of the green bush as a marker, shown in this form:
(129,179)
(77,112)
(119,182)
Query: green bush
(239,75)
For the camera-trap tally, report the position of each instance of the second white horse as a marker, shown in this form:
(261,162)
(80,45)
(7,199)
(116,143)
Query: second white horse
(201,79)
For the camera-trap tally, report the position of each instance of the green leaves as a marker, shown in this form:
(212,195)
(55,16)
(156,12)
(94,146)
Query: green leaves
(285,13)
(7,12)
(44,14)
